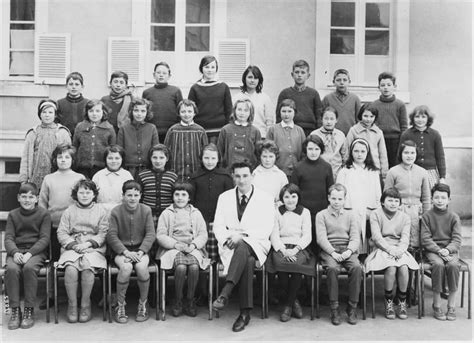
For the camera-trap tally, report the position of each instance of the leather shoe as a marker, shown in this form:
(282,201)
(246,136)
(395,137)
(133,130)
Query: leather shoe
(241,322)
(85,314)
(286,314)
(297,310)
(72,314)
(219,303)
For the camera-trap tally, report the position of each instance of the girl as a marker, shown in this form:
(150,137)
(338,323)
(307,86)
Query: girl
(185,141)
(368,130)
(157,181)
(362,181)
(267,176)
(91,137)
(430,145)
(390,233)
(288,136)
(40,142)
(138,136)
(236,142)
(290,238)
(81,233)
(182,236)
(212,98)
(252,84)
(109,180)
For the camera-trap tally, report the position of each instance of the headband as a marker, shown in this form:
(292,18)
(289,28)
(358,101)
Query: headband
(48,104)
(361,141)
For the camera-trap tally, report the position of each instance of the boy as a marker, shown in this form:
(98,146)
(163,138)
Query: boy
(164,98)
(338,236)
(27,236)
(131,235)
(71,108)
(392,119)
(306,98)
(346,104)
(119,99)
(441,238)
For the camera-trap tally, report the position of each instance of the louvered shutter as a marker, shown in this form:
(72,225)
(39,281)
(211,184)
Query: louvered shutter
(52,58)
(127,54)
(233,56)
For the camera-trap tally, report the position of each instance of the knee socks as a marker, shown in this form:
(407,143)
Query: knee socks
(87,282)
(143,286)
(179,277)
(193,277)
(388,295)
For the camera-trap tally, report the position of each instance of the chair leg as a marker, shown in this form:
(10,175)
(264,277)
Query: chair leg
(47,295)
(163,295)
(266,293)
(209,295)
(317,290)
(462,289)
(312,297)
(157,292)
(109,293)
(418,284)
(372,276)
(104,294)
(55,282)
(410,282)
(217,284)
(364,297)
(263,293)
(422,290)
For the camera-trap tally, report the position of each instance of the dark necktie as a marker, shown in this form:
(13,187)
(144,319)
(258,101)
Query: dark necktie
(243,201)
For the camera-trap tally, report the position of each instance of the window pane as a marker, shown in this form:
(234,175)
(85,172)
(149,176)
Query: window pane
(22,10)
(342,14)
(21,63)
(197,11)
(376,42)
(22,39)
(162,38)
(377,15)
(342,41)
(197,39)
(163,11)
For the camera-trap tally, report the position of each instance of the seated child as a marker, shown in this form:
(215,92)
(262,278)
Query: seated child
(131,235)
(26,240)
(71,108)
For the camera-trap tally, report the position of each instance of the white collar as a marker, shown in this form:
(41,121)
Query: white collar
(291,125)
(184,124)
(240,124)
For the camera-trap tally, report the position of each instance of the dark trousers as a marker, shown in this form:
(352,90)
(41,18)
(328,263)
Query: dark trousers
(392,150)
(440,268)
(241,271)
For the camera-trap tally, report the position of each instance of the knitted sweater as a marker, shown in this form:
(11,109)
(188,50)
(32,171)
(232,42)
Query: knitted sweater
(264,111)
(157,188)
(27,231)
(236,143)
(387,233)
(441,229)
(308,104)
(337,229)
(347,108)
(292,227)
(71,111)
(392,118)
(137,139)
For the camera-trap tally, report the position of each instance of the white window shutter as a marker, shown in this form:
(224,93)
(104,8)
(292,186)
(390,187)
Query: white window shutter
(233,56)
(52,58)
(127,54)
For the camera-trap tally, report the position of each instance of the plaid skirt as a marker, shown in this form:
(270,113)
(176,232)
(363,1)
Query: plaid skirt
(433,177)
(211,245)
(186,259)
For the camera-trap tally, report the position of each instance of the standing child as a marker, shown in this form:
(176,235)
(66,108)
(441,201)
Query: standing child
(164,98)
(81,233)
(26,240)
(131,235)
(237,140)
(306,98)
(91,137)
(71,108)
(288,136)
(138,136)
(182,237)
(119,100)
(40,142)
(335,146)
(185,141)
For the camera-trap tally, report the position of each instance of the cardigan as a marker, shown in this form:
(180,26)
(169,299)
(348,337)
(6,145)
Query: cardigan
(441,229)
(347,108)
(237,143)
(292,227)
(308,104)
(390,232)
(110,186)
(270,180)
(71,111)
(337,229)
(264,111)
(157,188)
(335,148)
(137,139)
(392,118)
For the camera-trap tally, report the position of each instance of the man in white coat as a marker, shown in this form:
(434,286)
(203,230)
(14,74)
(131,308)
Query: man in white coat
(243,223)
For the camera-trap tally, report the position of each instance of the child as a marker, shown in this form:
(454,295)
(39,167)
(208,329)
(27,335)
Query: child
(392,118)
(26,240)
(185,141)
(252,84)
(290,238)
(109,180)
(119,100)
(182,237)
(338,237)
(131,236)
(429,142)
(40,141)
(391,234)
(237,140)
(346,103)
(164,98)
(267,176)
(368,130)
(138,136)
(441,238)
(81,233)
(71,108)
(91,137)
(306,98)
(335,146)
(157,181)
(288,136)
(212,98)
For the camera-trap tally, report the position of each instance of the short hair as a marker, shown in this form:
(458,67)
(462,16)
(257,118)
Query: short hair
(28,187)
(292,189)
(119,74)
(249,104)
(370,108)
(422,109)
(164,64)
(140,102)
(287,103)
(341,71)
(269,145)
(403,145)
(257,74)
(61,149)
(114,148)
(337,187)
(241,164)
(210,147)
(159,147)
(183,186)
(75,75)
(387,75)
(131,184)
(441,187)
(94,102)
(330,109)
(187,103)
(369,161)
(45,103)
(300,64)
(87,184)
(206,60)
(313,139)
(391,192)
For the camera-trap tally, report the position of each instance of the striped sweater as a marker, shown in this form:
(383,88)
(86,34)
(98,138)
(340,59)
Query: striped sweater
(157,189)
